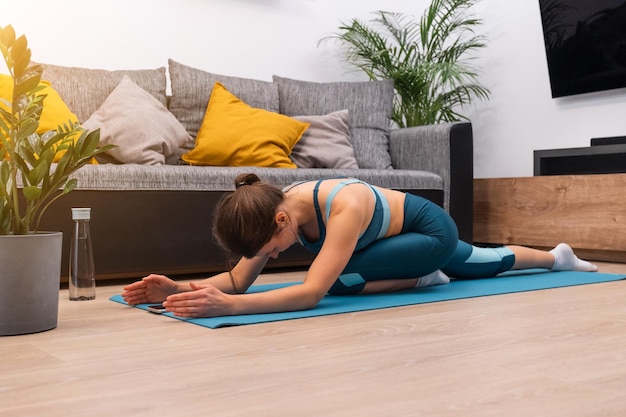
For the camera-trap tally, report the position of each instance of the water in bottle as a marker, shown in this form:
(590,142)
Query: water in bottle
(82,280)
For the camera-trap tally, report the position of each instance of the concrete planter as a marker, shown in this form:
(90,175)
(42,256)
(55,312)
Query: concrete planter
(30,268)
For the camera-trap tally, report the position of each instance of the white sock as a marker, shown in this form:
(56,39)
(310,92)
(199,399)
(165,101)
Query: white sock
(565,260)
(434,278)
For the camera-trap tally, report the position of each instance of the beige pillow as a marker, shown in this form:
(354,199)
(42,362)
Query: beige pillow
(142,128)
(326,143)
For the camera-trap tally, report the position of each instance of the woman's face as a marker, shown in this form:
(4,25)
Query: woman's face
(280,242)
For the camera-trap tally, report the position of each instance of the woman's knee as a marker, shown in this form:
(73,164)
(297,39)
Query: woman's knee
(348,284)
(408,255)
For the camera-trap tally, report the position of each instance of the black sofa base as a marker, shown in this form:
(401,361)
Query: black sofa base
(136,233)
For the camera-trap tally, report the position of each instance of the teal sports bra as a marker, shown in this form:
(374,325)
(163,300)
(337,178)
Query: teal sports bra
(378,227)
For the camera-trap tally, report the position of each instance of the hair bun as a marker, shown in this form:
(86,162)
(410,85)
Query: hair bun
(246,179)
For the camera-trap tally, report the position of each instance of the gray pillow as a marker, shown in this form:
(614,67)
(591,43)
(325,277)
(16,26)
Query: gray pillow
(84,90)
(369,103)
(191,90)
(144,131)
(326,143)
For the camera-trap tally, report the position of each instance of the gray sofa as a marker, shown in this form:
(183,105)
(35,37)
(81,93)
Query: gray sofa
(157,218)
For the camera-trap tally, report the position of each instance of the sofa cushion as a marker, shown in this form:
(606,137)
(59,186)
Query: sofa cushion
(370,104)
(144,131)
(84,90)
(176,178)
(236,134)
(191,90)
(326,143)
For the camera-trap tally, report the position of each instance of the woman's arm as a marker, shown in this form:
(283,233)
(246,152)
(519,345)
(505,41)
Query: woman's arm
(236,281)
(156,288)
(342,232)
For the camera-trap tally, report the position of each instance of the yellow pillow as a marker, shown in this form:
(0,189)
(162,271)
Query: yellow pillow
(55,112)
(235,134)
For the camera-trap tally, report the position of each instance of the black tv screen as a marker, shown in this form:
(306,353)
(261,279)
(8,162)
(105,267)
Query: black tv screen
(585,42)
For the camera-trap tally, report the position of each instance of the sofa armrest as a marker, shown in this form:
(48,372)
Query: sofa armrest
(447,150)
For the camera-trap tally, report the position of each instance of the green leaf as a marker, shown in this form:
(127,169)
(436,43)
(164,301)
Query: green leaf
(21,62)
(61,169)
(70,185)
(7,37)
(5,218)
(104,149)
(4,172)
(19,163)
(35,176)
(32,192)
(27,128)
(92,140)
(19,52)
(26,84)
(50,138)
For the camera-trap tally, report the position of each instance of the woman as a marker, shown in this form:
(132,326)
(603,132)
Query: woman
(368,240)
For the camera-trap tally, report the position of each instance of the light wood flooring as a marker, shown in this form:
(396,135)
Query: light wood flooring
(559,352)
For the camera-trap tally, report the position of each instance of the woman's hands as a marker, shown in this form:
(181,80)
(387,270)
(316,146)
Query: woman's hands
(204,300)
(151,289)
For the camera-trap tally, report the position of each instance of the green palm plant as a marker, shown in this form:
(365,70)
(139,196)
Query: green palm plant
(29,179)
(429,60)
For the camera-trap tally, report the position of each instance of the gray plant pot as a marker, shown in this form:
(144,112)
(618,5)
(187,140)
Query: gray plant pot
(30,268)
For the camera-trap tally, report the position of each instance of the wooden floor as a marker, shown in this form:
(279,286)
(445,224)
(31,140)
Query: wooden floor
(559,352)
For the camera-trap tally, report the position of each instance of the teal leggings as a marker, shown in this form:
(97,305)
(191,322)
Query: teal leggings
(428,241)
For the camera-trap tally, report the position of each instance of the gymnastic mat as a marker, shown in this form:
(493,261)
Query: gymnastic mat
(529,280)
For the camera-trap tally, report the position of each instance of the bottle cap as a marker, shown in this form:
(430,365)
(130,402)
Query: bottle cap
(81,213)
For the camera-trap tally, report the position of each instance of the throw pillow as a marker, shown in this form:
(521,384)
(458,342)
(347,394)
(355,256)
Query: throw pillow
(144,131)
(326,143)
(55,112)
(236,134)
(370,104)
(191,90)
(84,90)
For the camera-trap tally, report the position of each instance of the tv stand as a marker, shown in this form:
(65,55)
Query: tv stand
(613,140)
(586,211)
(559,204)
(597,159)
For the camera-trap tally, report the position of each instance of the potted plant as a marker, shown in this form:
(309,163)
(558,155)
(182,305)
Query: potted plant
(30,180)
(429,59)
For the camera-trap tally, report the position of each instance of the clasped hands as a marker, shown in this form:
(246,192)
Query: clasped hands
(203,300)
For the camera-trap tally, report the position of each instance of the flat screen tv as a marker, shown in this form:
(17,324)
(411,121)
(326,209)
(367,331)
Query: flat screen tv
(585,42)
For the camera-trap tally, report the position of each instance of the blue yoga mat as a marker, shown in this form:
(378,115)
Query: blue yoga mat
(529,280)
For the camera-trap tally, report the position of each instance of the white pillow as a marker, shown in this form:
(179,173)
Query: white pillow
(143,129)
(326,143)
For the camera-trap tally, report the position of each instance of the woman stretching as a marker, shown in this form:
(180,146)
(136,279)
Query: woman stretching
(367,239)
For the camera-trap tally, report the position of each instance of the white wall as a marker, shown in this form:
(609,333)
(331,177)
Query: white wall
(249,38)
(521,115)
(258,38)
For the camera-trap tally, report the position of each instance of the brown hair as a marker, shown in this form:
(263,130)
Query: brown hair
(244,219)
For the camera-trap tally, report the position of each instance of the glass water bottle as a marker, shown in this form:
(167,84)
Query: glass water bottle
(82,280)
